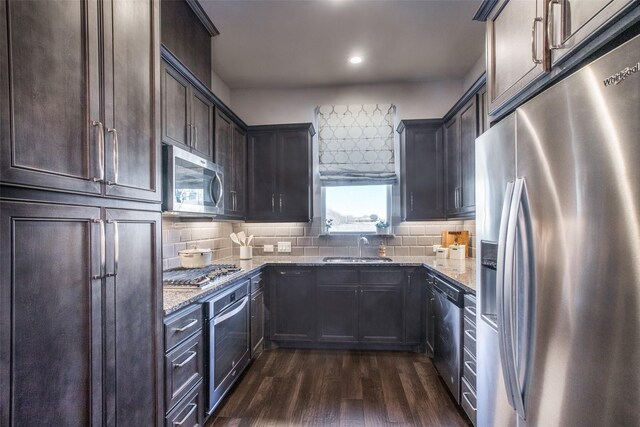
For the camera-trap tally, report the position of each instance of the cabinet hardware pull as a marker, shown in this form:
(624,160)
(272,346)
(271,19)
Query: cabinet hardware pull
(551,33)
(273,202)
(470,335)
(196,130)
(412,201)
(465,394)
(103,249)
(186,417)
(193,322)
(116,247)
(100,151)
(185,361)
(468,365)
(280,203)
(116,161)
(534,41)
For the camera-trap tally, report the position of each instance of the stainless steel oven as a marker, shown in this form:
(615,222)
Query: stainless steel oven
(192,185)
(227,327)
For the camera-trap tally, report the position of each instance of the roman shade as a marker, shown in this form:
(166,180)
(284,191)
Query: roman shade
(356,144)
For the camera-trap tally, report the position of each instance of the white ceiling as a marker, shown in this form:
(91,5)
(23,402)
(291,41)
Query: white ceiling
(301,43)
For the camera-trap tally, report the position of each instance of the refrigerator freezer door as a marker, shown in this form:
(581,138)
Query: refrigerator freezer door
(578,149)
(495,169)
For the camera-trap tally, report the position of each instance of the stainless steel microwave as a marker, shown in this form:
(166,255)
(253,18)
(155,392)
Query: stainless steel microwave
(192,185)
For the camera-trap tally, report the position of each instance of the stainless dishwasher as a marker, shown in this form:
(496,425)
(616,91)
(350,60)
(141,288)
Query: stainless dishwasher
(227,330)
(448,307)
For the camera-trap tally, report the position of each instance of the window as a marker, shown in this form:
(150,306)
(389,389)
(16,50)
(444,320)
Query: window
(355,208)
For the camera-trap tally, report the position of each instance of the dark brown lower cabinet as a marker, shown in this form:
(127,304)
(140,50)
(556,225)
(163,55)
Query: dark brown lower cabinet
(80,316)
(371,306)
(257,323)
(338,313)
(293,302)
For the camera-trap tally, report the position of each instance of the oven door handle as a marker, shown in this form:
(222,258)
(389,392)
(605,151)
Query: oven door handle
(219,319)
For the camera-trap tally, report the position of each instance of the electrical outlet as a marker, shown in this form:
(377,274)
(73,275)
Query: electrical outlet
(284,247)
(267,248)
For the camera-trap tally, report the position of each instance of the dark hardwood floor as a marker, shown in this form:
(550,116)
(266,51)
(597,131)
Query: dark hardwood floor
(339,388)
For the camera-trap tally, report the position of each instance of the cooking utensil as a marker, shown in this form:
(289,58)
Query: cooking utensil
(195,258)
(243,238)
(234,238)
(249,240)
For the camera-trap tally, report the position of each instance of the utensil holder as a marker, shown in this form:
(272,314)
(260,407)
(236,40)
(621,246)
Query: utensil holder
(246,252)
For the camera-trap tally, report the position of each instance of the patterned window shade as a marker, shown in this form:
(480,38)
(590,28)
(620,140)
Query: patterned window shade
(356,144)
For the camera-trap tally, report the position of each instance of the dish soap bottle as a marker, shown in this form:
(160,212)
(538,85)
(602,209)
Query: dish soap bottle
(382,250)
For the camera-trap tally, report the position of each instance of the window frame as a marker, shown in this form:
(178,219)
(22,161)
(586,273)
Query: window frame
(323,211)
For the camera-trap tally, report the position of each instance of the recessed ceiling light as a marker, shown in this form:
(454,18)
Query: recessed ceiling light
(355,59)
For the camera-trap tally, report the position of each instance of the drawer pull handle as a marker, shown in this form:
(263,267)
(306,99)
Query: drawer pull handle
(186,417)
(468,365)
(187,326)
(185,361)
(471,311)
(464,395)
(470,335)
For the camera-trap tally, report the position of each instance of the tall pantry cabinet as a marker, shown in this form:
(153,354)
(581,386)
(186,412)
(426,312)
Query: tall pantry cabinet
(80,246)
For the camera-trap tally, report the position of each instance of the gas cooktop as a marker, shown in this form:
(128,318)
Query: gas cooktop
(199,278)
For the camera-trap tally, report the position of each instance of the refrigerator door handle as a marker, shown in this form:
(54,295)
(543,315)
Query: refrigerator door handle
(500,291)
(510,325)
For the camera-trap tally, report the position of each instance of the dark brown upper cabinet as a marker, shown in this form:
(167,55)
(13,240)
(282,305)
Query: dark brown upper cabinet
(460,131)
(187,115)
(279,177)
(422,170)
(231,153)
(187,32)
(67,129)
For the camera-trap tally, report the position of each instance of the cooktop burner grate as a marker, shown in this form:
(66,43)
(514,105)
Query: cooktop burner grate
(199,277)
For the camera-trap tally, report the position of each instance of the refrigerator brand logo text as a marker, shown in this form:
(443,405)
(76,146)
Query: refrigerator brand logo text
(619,77)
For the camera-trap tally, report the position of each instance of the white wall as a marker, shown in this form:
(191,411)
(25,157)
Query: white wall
(414,100)
(220,89)
(474,73)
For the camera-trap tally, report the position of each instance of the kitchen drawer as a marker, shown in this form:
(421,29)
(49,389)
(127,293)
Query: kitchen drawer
(470,307)
(189,412)
(469,336)
(257,282)
(382,276)
(469,368)
(468,401)
(181,325)
(183,369)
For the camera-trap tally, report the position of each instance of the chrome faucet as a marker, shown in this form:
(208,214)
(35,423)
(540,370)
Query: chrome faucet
(361,240)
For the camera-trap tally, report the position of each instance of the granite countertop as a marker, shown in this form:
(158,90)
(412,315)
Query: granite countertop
(461,272)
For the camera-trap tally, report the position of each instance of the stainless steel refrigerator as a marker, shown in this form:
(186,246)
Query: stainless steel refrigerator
(558,225)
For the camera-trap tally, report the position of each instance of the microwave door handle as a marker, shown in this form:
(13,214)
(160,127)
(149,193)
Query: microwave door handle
(231,313)
(220,189)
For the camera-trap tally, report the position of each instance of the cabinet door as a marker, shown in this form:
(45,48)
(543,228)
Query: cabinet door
(224,155)
(293,302)
(239,149)
(261,185)
(338,313)
(451,135)
(468,118)
(257,323)
(133,322)
(50,315)
(202,125)
(413,304)
(573,21)
(50,95)
(381,314)
(294,177)
(515,59)
(176,127)
(424,174)
(132,101)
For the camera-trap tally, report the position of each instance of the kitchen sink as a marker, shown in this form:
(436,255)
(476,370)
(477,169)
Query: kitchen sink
(363,259)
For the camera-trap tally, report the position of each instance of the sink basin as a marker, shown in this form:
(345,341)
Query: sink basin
(363,259)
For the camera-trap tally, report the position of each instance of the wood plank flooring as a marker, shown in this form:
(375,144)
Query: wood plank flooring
(339,388)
